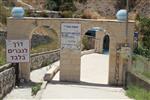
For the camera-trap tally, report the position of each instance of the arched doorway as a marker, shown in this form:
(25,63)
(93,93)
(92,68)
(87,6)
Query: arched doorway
(95,66)
(106,41)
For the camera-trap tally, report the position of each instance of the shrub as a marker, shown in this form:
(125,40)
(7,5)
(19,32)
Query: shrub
(36,88)
(144,40)
(90,14)
(82,1)
(85,43)
(68,6)
(51,5)
(60,5)
(44,14)
(144,28)
(27,13)
(67,14)
(134,57)
(142,51)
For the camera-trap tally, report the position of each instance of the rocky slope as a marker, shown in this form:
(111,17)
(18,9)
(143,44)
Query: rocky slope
(143,7)
(105,8)
(108,8)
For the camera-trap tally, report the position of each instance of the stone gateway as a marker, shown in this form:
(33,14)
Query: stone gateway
(22,29)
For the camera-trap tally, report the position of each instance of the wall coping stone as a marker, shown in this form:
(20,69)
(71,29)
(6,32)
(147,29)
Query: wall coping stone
(42,53)
(4,67)
(74,19)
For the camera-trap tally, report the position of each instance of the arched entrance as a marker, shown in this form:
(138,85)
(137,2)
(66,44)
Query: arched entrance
(21,29)
(95,66)
(106,41)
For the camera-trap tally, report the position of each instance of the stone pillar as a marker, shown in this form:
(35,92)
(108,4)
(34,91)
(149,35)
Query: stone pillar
(98,45)
(19,29)
(99,42)
(70,65)
(125,63)
(24,72)
(70,56)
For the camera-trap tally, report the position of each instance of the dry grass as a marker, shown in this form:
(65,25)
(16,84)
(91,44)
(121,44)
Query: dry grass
(90,14)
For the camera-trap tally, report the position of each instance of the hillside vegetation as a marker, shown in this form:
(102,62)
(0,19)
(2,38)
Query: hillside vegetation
(85,8)
(108,8)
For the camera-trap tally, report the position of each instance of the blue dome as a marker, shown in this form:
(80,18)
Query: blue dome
(122,15)
(17,12)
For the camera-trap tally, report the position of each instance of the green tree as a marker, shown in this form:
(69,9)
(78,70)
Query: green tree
(60,5)
(144,28)
(51,5)
(144,41)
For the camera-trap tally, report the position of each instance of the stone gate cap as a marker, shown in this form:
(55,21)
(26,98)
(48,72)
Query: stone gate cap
(122,15)
(17,12)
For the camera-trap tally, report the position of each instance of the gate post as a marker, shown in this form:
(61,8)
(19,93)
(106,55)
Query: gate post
(126,58)
(70,56)
(18,37)
(16,33)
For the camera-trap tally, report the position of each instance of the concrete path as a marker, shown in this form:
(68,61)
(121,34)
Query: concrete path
(94,68)
(94,79)
(25,92)
(37,75)
(57,90)
(20,94)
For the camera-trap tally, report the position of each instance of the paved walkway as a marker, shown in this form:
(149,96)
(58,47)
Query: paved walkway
(94,77)
(57,90)
(25,92)
(94,68)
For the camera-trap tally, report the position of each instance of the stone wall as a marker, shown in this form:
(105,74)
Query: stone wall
(139,80)
(7,79)
(39,60)
(3,35)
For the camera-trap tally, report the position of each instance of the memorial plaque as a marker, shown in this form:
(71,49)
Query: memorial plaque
(70,36)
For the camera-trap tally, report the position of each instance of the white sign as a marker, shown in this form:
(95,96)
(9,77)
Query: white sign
(70,38)
(71,28)
(17,51)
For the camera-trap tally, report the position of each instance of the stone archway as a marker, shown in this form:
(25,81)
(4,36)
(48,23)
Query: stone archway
(22,28)
(113,43)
